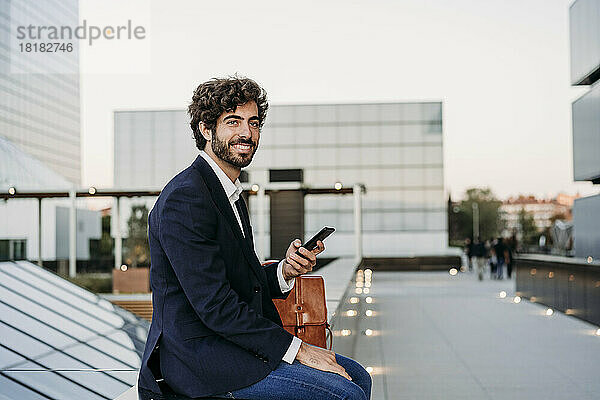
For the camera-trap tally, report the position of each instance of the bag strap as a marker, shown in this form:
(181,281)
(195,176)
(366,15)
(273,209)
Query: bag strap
(330,335)
(298,300)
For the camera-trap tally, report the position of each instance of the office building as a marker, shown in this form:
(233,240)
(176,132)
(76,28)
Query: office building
(584,18)
(39,106)
(543,211)
(40,144)
(394,149)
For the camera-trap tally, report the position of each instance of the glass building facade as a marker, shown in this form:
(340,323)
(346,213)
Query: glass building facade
(39,106)
(584,26)
(55,336)
(584,19)
(586,136)
(394,149)
(150,147)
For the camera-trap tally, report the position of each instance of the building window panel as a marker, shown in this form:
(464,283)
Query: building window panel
(390,155)
(411,112)
(369,112)
(325,156)
(348,113)
(391,134)
(326,114)
(393,221)
(349,134)
(414,220)
(370,156)
(432,112)
(305,114)
(326,135)
(433,177)
(372,221)
(411,155)
(281,115)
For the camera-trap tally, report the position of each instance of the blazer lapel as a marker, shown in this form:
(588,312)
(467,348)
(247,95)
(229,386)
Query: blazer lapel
(218,194)
(249,239)
(245,219)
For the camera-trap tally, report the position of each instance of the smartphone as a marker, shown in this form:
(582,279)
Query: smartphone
(312,242)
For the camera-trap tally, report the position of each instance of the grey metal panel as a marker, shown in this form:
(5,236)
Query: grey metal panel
(574,288)
(547,285)
(586,136)
(584,22)
(524,282)
(562,297)
(592,296)
(576,297)
(586,219)
(287,220)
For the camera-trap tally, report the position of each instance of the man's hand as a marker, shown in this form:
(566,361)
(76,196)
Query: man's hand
(320,359)
(296,265)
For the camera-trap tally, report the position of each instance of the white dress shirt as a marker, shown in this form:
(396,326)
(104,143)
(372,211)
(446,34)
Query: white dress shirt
(233,191)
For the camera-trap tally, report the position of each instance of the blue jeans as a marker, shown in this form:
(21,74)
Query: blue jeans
(299,382)
(500,268)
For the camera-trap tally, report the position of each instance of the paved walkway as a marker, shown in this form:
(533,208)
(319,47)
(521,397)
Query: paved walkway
(437,336)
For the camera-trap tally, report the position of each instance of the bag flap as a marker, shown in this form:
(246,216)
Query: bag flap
(305,305)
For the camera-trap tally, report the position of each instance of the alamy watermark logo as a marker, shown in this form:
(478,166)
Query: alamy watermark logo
(80,36)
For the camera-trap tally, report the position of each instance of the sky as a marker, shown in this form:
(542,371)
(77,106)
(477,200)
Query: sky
(500,67)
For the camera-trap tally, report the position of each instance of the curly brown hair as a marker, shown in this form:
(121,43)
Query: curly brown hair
(219,95)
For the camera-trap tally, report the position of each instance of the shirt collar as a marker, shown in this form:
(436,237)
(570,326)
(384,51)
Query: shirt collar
(232,189)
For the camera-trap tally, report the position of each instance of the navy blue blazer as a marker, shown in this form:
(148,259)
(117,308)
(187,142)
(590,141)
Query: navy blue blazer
(213,316)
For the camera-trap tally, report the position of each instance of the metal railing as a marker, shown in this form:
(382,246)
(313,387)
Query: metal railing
(570,285)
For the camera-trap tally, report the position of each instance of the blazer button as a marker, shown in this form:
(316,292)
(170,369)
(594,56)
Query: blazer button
(256,289)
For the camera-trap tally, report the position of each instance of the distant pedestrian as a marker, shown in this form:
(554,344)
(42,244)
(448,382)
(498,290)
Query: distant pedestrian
(500,249)
(478,257)
(492,259)
(469,252)
(493,262)
(542,244)
(511,249)
(466,255)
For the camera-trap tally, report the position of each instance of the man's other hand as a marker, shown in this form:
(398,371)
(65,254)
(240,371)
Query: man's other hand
(296,265)
(320,359)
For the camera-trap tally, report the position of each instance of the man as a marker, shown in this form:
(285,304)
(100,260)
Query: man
(478,257)
(215,330)
(500,250)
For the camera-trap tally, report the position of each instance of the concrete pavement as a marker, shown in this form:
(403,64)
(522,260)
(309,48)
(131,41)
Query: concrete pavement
(437,336)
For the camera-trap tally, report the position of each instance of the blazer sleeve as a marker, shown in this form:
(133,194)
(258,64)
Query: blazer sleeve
(187,235)
(273,281)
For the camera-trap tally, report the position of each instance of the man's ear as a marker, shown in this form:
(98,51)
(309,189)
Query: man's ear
(206,133)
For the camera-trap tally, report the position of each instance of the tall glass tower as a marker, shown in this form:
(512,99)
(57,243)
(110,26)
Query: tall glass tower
(39,101)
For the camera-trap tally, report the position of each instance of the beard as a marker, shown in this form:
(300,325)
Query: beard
(225,152)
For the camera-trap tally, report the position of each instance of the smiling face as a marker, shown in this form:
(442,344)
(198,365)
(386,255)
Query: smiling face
(236,136)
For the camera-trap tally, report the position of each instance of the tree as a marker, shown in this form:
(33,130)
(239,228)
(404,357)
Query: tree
(489,215)
(529,230)
(137,248)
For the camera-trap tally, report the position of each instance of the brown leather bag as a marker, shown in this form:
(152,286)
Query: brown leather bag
(304,311)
